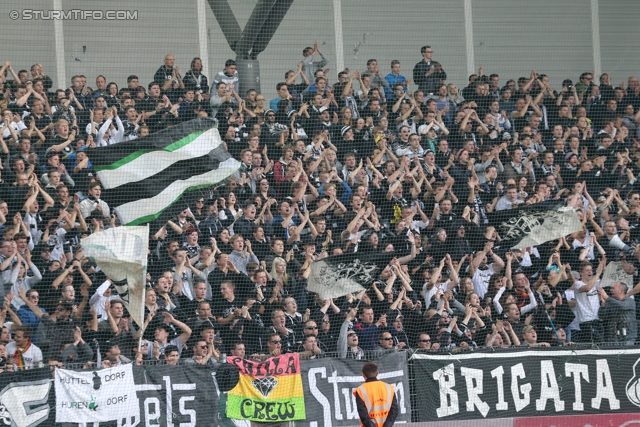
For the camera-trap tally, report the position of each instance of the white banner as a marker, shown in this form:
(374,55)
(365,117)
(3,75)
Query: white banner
(615,273)
(121,253)
(95,396)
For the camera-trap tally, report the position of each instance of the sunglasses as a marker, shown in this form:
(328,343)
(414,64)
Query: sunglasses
(386,339)
(425,340)
(352,335)
(204,347)
(275,342)
(311,327)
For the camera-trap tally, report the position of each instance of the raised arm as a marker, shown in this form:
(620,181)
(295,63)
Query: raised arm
(36,310)
(186,331)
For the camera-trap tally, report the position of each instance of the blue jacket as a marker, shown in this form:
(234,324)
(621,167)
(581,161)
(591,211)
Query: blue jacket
(393,80)
(28,317)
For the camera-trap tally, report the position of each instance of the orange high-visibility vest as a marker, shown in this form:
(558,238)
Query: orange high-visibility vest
(377,396)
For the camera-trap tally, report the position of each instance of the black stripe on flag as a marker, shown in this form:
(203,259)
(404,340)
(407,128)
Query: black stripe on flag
(153,185)
(105,156)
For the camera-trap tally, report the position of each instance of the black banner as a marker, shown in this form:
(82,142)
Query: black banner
(329,384)
(175,395)
(524,383)
(27,398)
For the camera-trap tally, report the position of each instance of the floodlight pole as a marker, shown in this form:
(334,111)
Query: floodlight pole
(250,42)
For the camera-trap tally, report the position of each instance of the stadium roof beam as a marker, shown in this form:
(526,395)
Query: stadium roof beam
(250,42)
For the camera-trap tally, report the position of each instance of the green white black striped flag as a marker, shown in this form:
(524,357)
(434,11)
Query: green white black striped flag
(148,178)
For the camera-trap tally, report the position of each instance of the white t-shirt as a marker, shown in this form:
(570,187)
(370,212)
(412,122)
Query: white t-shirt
(480,280)
(17,126)
(31,356)
(428,294)
(175,341)
(570,295)
(587,303)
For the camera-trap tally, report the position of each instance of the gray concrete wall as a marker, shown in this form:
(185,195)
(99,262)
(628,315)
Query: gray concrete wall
(510,38)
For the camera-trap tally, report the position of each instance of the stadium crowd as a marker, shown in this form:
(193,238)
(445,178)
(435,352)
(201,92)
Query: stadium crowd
(366,164)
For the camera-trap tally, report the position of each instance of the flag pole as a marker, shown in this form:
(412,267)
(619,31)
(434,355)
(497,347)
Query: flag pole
(142,302)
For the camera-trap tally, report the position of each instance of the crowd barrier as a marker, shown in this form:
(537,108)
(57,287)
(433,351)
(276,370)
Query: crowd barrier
(513,387)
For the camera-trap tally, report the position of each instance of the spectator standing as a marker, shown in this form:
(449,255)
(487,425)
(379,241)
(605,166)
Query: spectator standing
(428,74)
(587,303)
(228,76)
(620,313)
(309,66)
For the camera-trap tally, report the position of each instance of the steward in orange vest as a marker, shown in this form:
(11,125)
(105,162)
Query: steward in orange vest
(375,399)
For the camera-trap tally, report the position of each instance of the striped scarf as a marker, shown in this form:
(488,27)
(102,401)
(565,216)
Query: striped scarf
(18,356)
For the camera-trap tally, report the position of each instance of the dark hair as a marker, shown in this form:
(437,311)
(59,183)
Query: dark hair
(132,77)
(370,370)
(229,63)
(169,349)
(26,330)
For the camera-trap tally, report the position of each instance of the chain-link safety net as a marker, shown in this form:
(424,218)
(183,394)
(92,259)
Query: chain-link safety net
(214,213)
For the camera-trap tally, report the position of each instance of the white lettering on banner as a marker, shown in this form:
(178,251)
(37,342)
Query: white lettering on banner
(190,412)
(548,387)
(351,408)
(521,390)
(152,417)
(517,371)
(604,386)
(343,395)
(498,374)
(577,370)
(474,391)
(153,410)
(16,411)
(448,396)
(315,391)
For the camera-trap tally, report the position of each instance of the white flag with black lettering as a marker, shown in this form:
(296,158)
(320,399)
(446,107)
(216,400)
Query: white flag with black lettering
(95,396)
(121,253)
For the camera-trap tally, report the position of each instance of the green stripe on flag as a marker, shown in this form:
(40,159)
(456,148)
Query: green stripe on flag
(146,210)
(153,217)
(279,410)
(169,148)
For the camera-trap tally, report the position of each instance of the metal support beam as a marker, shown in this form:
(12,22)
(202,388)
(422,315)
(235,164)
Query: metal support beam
(58,35)
(203,40)
(468,31)
(250,42)
(337,30)
(595,37)
(227,21)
